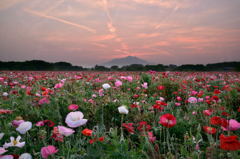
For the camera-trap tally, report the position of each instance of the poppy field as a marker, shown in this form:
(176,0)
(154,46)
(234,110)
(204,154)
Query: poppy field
(119,115)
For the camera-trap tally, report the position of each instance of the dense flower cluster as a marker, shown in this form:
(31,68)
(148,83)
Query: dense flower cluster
(119,114)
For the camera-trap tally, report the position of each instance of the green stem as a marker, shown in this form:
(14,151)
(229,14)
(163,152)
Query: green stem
(122,137)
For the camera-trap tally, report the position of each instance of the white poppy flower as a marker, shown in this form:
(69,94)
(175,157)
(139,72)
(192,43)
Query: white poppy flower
(14,142)
(65,131)
(24,127)
(123,109)
(75,119)
(106,86)
(25,156)
(5,94)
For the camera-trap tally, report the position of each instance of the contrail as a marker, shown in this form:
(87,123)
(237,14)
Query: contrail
(105,3)
(112,29)
(164,19)
(60,20)
(110,25)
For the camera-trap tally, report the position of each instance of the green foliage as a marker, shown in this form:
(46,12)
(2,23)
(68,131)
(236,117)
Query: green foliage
(146,78)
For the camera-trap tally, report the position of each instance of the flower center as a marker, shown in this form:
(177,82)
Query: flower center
(15,142)
(168,121)
(209,129)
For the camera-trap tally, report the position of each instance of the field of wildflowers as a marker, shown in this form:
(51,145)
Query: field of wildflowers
(119,115)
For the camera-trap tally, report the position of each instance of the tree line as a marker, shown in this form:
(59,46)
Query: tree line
(39,65)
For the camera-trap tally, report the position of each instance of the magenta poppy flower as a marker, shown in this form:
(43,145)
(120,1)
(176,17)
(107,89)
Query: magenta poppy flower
(48,150)
(192,100)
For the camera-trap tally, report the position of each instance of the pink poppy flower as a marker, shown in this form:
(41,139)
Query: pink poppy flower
(40,123)
(48,150)
(16,123)
(207,112)
(73,107)
(65,131)
(232,125)
(200,100)
(123,77)
(145,85)
(118,83)
(7,157)
(151,137)
(1,79)
(2,150)
(44,100)
(100,92)
(59,85)
(179,98)
(193,93)
(177,104)
(129,78)
(192,100)
(194,113)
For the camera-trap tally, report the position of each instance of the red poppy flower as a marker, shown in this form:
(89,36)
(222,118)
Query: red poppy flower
(168,120)
(158,102)
(159,107)
(43,88)
(216,98)
(229,143)
(222,108)
(226,87)
(15,156)
(45,93)
(144,126)
(224,122)
(160,88)
(101,139)
(49,123)
(56,135)
(136,96)
(225,114)
(134,105)
(208,101)
(209,130)
(129,127)
(217,91)
(91,141)
(5,111)
(216,120)
(87,132)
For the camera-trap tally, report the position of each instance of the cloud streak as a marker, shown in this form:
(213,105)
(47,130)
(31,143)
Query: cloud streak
(112,29)
(60,20)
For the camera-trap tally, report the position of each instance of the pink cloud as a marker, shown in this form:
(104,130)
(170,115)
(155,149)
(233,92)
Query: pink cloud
(150,35)
(104,37)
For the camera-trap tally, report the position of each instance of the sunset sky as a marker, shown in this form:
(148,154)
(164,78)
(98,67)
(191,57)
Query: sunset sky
(89,32)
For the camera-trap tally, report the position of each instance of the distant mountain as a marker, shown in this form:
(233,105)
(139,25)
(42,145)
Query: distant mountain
(125,61)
